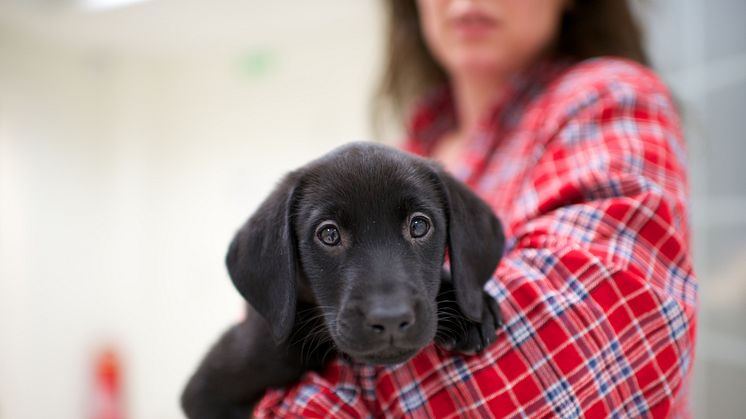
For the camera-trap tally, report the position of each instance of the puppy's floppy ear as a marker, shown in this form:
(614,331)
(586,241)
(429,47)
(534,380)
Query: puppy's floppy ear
(475,242)
(262,260)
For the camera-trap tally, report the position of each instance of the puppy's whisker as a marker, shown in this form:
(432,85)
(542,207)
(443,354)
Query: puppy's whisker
(450,309)
(446,319)
(449,312)
(447,301)
(453,327)
(331,348)
(317,338)
(315,331)
(449,319)
(300,328)
(318,335)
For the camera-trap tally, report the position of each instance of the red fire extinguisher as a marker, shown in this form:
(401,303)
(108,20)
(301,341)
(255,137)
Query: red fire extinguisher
(107,401)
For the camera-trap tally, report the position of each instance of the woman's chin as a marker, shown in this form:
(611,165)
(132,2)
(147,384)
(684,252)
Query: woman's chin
(477,64)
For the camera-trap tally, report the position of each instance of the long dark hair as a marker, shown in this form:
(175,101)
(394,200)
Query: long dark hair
(589,28)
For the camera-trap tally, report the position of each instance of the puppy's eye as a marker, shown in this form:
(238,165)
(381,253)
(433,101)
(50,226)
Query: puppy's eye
(418,226)
(328,234)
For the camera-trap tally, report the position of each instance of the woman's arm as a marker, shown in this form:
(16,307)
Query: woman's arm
(597,288)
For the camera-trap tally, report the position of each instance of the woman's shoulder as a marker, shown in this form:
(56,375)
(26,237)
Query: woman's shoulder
(606,81)
(606,73)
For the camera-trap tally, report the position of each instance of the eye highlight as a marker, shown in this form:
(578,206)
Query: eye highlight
(328,234)
(419,225)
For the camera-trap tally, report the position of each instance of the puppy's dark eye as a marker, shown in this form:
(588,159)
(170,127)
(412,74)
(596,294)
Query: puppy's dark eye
(418,226)
(328,234)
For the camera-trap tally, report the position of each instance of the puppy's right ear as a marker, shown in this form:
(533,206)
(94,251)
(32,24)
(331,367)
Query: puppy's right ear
(262,261)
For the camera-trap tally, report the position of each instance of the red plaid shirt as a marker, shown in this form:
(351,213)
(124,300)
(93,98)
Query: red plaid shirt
(585,165)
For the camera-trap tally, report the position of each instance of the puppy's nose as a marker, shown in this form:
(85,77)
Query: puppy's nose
(390,319)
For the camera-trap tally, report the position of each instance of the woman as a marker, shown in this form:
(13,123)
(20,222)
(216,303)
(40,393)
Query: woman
(546,109)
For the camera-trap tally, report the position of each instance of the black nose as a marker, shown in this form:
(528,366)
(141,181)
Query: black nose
(390,319)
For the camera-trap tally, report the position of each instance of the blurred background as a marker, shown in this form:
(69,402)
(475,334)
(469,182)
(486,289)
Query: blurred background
(136,136)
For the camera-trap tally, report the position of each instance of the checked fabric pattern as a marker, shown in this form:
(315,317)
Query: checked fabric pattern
(585,166)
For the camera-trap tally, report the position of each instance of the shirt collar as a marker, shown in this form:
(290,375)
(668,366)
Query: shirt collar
(435,115)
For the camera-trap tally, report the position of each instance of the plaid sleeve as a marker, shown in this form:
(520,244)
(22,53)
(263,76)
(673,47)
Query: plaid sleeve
(596,287)
(337,392)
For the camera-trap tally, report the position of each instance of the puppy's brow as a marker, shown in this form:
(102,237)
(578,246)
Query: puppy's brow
(327,212)
(414,203)
(317,213)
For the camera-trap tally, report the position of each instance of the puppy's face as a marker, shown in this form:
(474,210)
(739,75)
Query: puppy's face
(371,237)
(361,234)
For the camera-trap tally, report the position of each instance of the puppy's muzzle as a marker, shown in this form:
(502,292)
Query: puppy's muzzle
(385,326)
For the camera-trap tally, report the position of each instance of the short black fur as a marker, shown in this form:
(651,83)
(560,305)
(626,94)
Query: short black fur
(374,291)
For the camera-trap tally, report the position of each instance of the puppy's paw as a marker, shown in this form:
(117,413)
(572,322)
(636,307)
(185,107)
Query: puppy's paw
(458,333)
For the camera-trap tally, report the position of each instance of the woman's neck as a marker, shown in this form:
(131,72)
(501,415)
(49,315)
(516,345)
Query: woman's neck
(472,98)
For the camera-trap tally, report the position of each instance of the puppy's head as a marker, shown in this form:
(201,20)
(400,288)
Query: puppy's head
(362,234)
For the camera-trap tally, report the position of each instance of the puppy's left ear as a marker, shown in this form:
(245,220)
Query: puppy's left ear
(475,243)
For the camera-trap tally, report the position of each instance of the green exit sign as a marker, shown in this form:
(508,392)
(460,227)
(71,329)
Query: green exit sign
(257,63)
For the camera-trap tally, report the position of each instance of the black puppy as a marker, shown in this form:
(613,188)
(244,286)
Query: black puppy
(345,257)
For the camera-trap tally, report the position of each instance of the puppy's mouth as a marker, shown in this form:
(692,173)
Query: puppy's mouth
(387,356)
(385,341)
